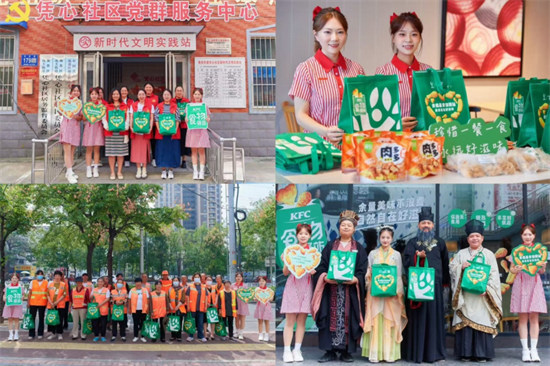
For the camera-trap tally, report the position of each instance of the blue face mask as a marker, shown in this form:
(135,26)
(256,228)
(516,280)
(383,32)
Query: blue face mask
(197,280)
(119,285)
(39,277)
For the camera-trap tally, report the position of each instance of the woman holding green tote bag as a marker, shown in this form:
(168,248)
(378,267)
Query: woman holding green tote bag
(406,37)
(318,85)
(476,316)
(385,317)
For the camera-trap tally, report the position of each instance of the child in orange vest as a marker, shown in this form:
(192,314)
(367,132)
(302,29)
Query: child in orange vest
(263,313)
(159,304)
(227,305)
(101,296)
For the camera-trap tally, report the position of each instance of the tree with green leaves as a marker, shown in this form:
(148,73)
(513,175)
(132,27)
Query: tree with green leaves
(258,234)
(17,215)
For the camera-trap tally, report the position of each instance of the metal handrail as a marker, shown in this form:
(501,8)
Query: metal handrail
(48,148)
(217,158)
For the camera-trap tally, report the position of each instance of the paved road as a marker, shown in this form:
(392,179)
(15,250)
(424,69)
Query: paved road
(505,356)
(248,352)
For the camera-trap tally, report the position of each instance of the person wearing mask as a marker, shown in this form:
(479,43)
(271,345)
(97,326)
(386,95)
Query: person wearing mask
(139,307)
(80,297)
(176,294)
(37,301)
(119,296)
(197,303)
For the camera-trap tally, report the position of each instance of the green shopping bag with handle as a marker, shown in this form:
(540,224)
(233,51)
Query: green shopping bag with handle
(174,324)
(116,120)
(341,266)
(421,282)
(536,109)
(383,280)
(439,96)
(141,122)
(370,103)
(70,318)
(93,311)
(118,313)
(189,325)
(150,329)
(476,276)
(167,124)
(516,96)
(220,329)
(306,153)
(212,315)
(52,317)
(88,329)
(28,321)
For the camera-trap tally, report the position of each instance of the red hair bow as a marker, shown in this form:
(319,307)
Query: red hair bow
(318,9)
(308,225)
(394,16)
(524,225)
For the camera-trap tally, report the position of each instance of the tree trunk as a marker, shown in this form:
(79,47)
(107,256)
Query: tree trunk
(89,256)
(110,254)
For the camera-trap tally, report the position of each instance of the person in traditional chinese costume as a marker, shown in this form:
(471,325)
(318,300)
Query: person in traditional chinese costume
(476,316)
(338,308)
(424,337)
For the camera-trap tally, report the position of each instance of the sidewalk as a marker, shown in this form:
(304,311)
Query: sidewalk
(18,171)
(504,356)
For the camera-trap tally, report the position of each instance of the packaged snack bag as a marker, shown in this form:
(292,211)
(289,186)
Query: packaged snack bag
(349,149)
(424,157)
(382,159)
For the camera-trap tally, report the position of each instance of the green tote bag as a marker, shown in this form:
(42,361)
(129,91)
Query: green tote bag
(383,280)
(439,96)
(476,276)
(370,103)
(421,282)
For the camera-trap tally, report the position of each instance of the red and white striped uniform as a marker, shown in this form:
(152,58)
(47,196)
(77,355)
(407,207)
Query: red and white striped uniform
(404,74)
(321,82)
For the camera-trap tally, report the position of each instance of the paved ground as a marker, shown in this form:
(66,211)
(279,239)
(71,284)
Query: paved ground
(505,356)
(257,170)
(86,353)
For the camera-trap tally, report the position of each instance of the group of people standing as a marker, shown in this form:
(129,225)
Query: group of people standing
(145,301)
(165,151)
(348,315)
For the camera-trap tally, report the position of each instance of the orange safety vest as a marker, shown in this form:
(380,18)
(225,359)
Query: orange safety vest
(213,297)
(39,293)
(115,296)
(175,297)
(78,298)
(54,294)
(159,304)
(88,285)
(99,296)
(144,301)
(192,294)
(233,303)
(166,284)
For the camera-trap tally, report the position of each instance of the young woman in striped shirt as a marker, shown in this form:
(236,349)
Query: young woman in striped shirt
(406,36)
(318,84)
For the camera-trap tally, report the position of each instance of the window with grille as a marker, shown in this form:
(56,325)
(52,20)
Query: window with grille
(262,81)
(7,71)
